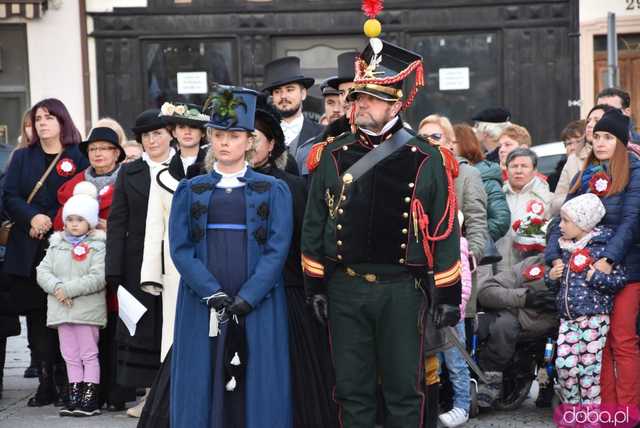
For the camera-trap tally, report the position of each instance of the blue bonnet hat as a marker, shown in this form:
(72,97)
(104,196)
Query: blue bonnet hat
(231,108)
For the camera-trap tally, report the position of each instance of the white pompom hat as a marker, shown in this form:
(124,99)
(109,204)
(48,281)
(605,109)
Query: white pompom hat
(83,203)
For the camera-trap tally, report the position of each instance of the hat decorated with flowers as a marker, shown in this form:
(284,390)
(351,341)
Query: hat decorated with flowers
(184,114)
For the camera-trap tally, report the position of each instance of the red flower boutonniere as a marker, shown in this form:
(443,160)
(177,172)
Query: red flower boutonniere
(537,221)
(80,251)
(536,207)
(534,272)
(66,167)
(600,183)
(580,260)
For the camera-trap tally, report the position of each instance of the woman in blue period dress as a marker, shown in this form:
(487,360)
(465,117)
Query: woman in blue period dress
(229,233)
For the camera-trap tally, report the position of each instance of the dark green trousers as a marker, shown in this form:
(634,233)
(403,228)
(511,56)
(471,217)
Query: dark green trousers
(375,333)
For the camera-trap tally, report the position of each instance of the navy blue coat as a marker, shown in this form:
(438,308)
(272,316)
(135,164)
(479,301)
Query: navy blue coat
(623,216)
(578,295)
(268,391)
(26,167)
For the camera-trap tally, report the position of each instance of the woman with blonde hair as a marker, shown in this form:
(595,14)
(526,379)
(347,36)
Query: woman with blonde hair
(230,231)
(133,150)
(472,202)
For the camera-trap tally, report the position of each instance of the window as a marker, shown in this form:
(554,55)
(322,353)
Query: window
(164,59)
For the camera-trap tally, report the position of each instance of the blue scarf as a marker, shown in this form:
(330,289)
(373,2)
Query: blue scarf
(590,172)
(74,240)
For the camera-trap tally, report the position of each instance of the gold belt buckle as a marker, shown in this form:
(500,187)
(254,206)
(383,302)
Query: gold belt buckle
(369,277)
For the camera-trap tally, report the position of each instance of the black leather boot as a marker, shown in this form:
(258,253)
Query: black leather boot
(75,399)
(432,406)
(61,384)
(89,401)
(46,393)
(33,370)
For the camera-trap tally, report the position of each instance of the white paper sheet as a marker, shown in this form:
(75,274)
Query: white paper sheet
(130,309)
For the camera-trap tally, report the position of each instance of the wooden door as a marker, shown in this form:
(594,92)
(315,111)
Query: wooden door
(629,67)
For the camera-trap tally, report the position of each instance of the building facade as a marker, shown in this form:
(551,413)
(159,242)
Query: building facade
(593,50)
(117,57)
(40,56)
(481,53)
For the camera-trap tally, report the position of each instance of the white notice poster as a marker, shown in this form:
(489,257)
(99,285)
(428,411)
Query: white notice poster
(453,79)
(192,82)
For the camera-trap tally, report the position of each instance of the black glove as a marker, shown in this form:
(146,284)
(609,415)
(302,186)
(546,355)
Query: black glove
(239,306)
(544,300)
(446,315)
(219,300)
(319,304)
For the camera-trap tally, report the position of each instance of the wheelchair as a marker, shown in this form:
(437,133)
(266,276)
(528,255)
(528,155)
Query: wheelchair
(529,362)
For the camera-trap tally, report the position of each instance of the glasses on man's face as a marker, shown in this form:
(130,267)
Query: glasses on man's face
(572,142)
(435,136)
(101,149)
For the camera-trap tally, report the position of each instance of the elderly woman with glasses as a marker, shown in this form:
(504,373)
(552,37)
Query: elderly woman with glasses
(105,154)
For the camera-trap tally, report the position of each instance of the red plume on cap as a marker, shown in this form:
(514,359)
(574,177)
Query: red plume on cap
(372,8)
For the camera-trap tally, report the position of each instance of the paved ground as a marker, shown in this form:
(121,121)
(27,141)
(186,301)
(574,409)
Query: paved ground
(14,412)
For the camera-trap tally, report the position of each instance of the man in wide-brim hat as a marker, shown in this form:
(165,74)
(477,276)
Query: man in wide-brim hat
(287,86)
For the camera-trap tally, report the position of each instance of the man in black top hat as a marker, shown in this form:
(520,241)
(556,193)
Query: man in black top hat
(380,244)
(489,124)
(288,89)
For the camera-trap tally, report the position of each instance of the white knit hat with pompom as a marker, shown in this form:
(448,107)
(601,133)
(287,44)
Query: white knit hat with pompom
(83,203)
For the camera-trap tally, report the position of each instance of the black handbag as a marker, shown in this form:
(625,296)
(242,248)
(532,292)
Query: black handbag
(491,254)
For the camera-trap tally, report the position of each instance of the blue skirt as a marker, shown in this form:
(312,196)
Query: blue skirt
(227,261)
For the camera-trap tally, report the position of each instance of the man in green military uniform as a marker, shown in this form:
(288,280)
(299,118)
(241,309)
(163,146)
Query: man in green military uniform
(380,244)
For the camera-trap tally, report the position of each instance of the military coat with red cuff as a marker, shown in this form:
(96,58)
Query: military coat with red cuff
(382,217)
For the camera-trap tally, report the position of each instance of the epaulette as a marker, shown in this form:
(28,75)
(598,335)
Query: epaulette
(448,158)
(313,160)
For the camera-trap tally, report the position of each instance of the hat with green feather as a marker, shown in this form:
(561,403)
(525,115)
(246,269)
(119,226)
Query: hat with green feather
(231,108)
